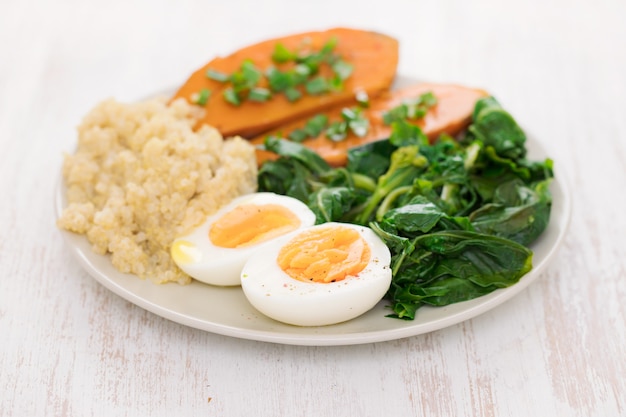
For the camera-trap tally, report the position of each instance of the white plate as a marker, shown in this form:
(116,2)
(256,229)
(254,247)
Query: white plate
(226,311)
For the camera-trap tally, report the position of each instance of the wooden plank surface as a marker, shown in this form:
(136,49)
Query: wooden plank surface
(69,347)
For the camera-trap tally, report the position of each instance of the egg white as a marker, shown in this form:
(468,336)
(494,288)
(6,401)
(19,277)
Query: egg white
(277,295)
(222,266)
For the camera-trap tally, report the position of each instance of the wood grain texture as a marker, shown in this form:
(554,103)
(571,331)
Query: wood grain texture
(69,347)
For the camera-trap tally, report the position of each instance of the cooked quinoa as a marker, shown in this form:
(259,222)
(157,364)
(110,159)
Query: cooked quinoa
(141,176)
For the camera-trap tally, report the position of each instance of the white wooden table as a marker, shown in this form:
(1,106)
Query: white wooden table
(69,347)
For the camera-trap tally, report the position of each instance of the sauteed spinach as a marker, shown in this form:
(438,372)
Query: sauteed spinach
(458,214)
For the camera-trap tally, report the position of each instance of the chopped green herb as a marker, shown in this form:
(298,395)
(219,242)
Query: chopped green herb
(217,75)
(232,97)
(311,61)
(352,120)
(247,77)
(348,113)
(356,122)
(329,45)
(362,98)
(428,99)
(395,114)
(259,94)
(337,131)
(279,81)
(359,126)
(315,125)
(317,85)
(312,129)
(282,54)
(301,73)
(202,96)
(298,135)
(292,94)
(335,84)
(411,109)
(342,69)
(244,82)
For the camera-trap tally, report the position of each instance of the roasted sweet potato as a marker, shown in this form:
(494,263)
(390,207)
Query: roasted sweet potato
(373,57)
(451,114)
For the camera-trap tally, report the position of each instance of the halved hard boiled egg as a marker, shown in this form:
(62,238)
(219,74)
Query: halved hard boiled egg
(216,251)
(322,275)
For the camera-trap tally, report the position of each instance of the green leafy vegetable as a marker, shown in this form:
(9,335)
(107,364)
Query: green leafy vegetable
(496,128)
(518,211)
(457,215)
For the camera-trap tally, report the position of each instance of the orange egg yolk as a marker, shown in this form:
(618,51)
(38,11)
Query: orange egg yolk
(250,224)
(326,254)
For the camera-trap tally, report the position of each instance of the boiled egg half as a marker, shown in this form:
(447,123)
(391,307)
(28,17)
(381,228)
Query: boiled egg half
(216,251)
(322,275)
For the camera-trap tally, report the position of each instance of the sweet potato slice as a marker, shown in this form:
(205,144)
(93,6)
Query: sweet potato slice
(450,115)
(374,58)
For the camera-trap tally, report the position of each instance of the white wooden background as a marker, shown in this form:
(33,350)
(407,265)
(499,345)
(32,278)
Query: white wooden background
(69,347)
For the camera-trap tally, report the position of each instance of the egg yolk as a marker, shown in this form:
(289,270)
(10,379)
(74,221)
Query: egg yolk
(250,224)
(325,255)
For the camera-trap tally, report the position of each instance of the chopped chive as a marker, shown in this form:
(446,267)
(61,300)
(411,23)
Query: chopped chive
(244,82)
(337,131)
(282,54)
(348,114)
(359,126)
(278,80)
(312,129)
(259,94)
(342,69)
(428,99)
(217,75)
(293,94)
(301,73)
(329,45)
(315,125)
(395,114)
(317,85)
(356,122)
(250,74)
(311,61)
(362,98)
(335,84)
(415,112)
(298,135)
(411,109)
(202,97)
(231,96)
